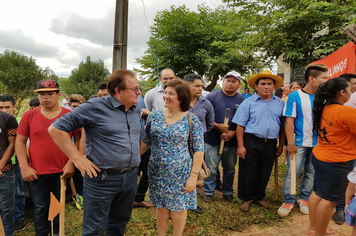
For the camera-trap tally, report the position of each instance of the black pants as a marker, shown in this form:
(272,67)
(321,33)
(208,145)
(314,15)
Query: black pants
(255,169)
(143,184)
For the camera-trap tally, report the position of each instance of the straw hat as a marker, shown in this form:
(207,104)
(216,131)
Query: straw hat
(265,74)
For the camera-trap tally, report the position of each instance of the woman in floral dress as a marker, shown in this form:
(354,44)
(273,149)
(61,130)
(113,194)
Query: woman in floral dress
(172,172)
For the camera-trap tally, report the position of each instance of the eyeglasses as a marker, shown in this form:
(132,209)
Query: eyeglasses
(135,89)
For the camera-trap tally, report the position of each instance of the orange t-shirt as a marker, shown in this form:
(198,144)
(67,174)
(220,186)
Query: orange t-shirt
(337,140)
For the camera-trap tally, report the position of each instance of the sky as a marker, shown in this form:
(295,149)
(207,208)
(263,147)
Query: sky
(61,34)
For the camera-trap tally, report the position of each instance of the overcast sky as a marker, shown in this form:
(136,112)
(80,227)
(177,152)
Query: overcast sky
(61,34)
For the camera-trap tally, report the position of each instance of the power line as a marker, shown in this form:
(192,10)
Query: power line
(213,3)
(144,13)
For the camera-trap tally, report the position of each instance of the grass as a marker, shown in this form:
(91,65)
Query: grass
(219,218)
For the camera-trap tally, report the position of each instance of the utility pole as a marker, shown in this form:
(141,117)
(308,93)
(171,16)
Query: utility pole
(119,60)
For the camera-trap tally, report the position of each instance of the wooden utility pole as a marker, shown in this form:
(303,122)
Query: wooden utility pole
(119,60)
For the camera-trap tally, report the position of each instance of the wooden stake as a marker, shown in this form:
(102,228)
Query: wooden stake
(226,121)
(63,203)
(2,232)
(293,175)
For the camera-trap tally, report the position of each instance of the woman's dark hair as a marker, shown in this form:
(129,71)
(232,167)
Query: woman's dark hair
(183,92)
(326,95)
(278,92)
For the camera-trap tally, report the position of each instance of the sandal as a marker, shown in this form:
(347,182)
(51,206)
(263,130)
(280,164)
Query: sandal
(329,231)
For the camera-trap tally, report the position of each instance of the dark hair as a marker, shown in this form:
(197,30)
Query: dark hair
(34,102)
(192,77)
(183,92)
(314,70)
(247,88)
(348,76)
(296,82)
(278,92)
(118,80)
(101,87)
(326,95)
(7,98)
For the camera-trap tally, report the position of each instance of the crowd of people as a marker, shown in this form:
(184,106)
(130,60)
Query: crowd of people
(103,144)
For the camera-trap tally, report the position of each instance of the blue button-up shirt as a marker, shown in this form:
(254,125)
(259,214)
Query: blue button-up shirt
(112,134)
(205,112)
(259,117)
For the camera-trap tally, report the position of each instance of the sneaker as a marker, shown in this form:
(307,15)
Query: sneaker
(208,198)
(198,210)
(230,198)
(285,209)
(78,200)
(339,217)
(19,225)
(303,206)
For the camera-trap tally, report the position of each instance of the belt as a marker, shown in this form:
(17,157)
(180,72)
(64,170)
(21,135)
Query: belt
(120,171)
(264,140)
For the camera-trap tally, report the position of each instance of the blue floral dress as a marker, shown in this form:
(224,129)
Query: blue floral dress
(170,163)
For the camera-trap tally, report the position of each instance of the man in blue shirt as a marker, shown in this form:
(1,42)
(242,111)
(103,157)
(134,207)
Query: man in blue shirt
(112,131)
(200,106)
(222,99)
(260,123)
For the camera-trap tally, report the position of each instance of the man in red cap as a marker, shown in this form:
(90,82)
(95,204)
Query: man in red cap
(47,162)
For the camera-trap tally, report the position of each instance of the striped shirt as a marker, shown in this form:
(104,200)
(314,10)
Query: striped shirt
(299,105)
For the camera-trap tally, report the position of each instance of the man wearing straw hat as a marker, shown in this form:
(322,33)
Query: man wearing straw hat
(260,123)
(299,118)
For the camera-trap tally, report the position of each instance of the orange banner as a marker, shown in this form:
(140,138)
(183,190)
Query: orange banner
(341,61)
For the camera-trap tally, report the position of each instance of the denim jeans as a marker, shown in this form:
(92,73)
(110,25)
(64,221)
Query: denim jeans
(143,184)
(20,199)
(40,193)
(108,202)
(7,196)
(212,160)
(303,158)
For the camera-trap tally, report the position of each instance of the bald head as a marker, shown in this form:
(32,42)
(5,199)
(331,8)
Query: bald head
(166,75)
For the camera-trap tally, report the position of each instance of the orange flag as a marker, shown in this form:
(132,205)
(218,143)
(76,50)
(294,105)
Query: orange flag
(54,208)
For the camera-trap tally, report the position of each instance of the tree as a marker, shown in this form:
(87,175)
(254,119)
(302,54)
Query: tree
(85,79)
(300,31)
(19,75)
(199,42)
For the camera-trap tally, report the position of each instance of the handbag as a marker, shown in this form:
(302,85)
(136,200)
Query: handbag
(204,170)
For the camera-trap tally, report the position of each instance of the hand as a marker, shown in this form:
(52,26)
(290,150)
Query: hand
(291,149)
(227,136)
(145,112)
(86,166)
(222,128)
(279,151)
(28,174)
(346,206)
(191,184)
(68,170)
(241,151)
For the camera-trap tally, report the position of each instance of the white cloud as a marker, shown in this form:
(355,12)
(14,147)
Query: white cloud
(60,34)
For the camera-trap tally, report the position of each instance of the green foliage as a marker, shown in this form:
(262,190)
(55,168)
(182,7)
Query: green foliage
(301,31)
(19,75)
(85,79)
(208,42)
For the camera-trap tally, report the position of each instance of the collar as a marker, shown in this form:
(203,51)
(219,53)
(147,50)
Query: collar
(116,103)
(256,97)
(160,89)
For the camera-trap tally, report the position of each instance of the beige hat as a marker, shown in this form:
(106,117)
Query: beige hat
(265,74)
